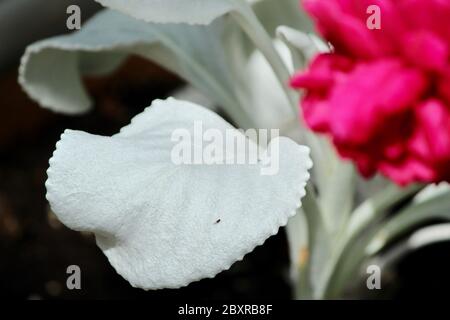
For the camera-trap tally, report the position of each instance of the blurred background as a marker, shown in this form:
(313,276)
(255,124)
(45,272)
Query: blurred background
(35,249)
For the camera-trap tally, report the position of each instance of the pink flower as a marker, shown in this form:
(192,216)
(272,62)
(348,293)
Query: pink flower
(383,95)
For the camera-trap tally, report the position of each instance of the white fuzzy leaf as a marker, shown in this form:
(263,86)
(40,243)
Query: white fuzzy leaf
(51,70)
(308,44)
(434,207)
(212,58)
(273,13)
(205,11)
(267,103)
(429,235)
(426,236)
(431,191)
(173,11)
(163,225)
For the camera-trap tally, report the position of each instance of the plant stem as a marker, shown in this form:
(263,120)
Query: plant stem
(252,27)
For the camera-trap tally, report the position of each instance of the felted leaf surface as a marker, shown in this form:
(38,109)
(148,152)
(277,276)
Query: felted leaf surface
(268,104)
(271,12)
(173,11)
(164,225)
(212,58)
(306,43)
(51,70)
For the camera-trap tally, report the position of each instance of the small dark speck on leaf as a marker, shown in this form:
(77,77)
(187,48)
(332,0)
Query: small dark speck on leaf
(217,221)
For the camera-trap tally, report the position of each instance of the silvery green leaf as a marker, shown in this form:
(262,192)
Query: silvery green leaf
(266,102)
(173,11)
(274,13)
(319,243)
(416,214)
(205,11)
(335,181)
(309,248)
(210,57)
(297,237)
(350,250)
(52,69)
(310,43)
(365,188)
(420,238)
(427,206)
(337,196)
(303,46)
(377,206)
(431,191)
(429,235)
(163,224)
